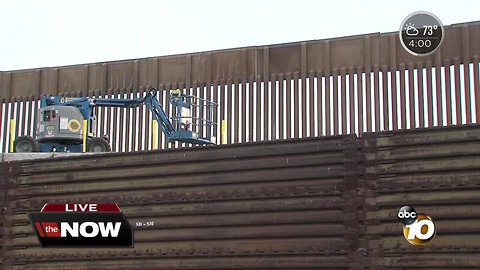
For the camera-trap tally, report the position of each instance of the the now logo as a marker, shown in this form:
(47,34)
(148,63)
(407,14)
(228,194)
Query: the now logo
(93,225)
(77,229)
(418,229)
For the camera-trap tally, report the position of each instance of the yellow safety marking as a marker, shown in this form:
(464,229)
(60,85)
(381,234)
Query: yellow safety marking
(84,136)
(223,134)
(154,135)
(12,134)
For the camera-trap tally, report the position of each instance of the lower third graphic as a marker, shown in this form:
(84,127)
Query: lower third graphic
(82,225)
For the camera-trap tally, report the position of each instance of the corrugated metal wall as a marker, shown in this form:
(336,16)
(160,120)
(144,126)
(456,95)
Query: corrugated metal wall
(326,203)
(437,172)
(306,89)
(288,204)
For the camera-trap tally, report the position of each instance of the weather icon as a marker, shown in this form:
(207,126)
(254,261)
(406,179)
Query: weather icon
(411,30)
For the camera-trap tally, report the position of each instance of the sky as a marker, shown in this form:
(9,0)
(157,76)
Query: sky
(46,33)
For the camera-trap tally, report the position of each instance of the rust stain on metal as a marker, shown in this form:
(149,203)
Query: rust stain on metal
(332,205)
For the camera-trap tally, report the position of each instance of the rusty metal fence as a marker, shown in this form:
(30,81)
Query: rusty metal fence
(290,204)
(314,203)
(327,87)
(437,171)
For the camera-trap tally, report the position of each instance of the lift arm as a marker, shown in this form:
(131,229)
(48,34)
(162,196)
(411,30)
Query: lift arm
(85,106)
(158,113)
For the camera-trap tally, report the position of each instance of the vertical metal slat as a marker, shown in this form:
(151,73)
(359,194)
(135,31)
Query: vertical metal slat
(420,95)
(273,107)
(121,139)
(128,125)
(344,100)
(236,112)
(243,110)
(201,109)
(458,100)
(115,126)
(193,92)
(12,116)
(411,96)
(466,44)
(251,109)
(296,106)
(258,108)
(327,104)
(393,67)
(217,112)
(266,105)
(18,118)
(6,123)
(229,116)
(467,91)
(386,106)
(304,104)
(476,85)
(288,109)
(448,93)
(281,107)
(311,105)
(403,99)
(140,125)
(223,89)
(320,90)
(368,98)
(438,90)
(134,125)
(376,97)
(25,116)
(430,110)
(351,85)
(335,106)
(360,80)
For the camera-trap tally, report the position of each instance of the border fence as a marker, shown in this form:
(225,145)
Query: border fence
(311,203)
(306,89)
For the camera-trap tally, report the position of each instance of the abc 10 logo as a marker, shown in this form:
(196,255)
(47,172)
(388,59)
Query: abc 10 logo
(418,229)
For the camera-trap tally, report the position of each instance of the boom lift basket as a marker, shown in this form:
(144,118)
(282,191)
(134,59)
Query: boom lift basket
(192,118)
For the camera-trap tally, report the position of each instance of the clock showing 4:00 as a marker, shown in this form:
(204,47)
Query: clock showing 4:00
(421,33)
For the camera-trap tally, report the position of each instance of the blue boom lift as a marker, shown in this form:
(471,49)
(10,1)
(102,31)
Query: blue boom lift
(59,122)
